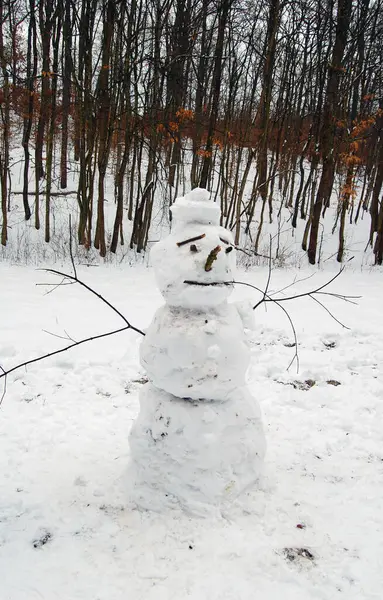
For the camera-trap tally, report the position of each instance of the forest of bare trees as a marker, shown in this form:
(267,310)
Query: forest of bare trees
(156,95)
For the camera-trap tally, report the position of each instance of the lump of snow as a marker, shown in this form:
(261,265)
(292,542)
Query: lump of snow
(196,207)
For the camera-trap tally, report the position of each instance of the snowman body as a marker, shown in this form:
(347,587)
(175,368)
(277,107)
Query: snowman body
(198,440)
(194,354)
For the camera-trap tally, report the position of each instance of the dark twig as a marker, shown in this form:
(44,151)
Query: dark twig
(73,279)
(265,294)
(76,280)
(252,286)
(241,249)
(67,337)
(267,298)
(313,291)
(295,282)
(270,269)
(251,254)
(340,297)
(296,356)
(56,285)
(206,284)
(328,311)
(3,374)
(318,290)
(33,360)
(193,239)
(257,254)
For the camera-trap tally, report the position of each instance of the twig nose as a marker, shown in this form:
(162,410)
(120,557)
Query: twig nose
(211,258)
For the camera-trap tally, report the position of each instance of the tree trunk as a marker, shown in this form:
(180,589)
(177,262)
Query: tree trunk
(264,103)
(331,110)
(223,14)
(4,143)
(66,67)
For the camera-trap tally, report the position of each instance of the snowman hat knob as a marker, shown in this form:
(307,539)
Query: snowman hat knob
(196,207)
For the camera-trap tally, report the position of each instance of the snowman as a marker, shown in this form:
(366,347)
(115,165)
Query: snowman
(198,441)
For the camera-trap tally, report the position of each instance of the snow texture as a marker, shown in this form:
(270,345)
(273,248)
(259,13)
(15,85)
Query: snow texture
(198,441)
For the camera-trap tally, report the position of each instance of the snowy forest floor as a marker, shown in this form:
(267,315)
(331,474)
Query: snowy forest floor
(313,530)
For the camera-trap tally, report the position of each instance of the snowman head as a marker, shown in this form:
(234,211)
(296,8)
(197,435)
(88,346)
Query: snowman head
(195,264)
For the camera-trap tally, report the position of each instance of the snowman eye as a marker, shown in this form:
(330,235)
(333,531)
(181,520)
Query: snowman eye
(230,248)
(193,248)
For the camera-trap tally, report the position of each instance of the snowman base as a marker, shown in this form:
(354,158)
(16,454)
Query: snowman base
(194,455)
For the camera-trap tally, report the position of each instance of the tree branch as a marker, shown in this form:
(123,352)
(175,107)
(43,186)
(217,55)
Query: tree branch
(75,279)
(267,298)
(5,373)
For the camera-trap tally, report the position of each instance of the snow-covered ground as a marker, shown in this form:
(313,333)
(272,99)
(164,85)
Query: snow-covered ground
(312,531)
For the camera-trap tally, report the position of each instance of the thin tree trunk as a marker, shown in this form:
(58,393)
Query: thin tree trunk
(4,143)
(223,14)
(264,104)
(51,129)
(67,49)
(28,118)
(45,24)
(328,126)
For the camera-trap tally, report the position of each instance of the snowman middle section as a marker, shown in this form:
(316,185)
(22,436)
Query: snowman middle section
(195,354)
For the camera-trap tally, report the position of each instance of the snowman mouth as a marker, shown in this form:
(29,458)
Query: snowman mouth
(207,284)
